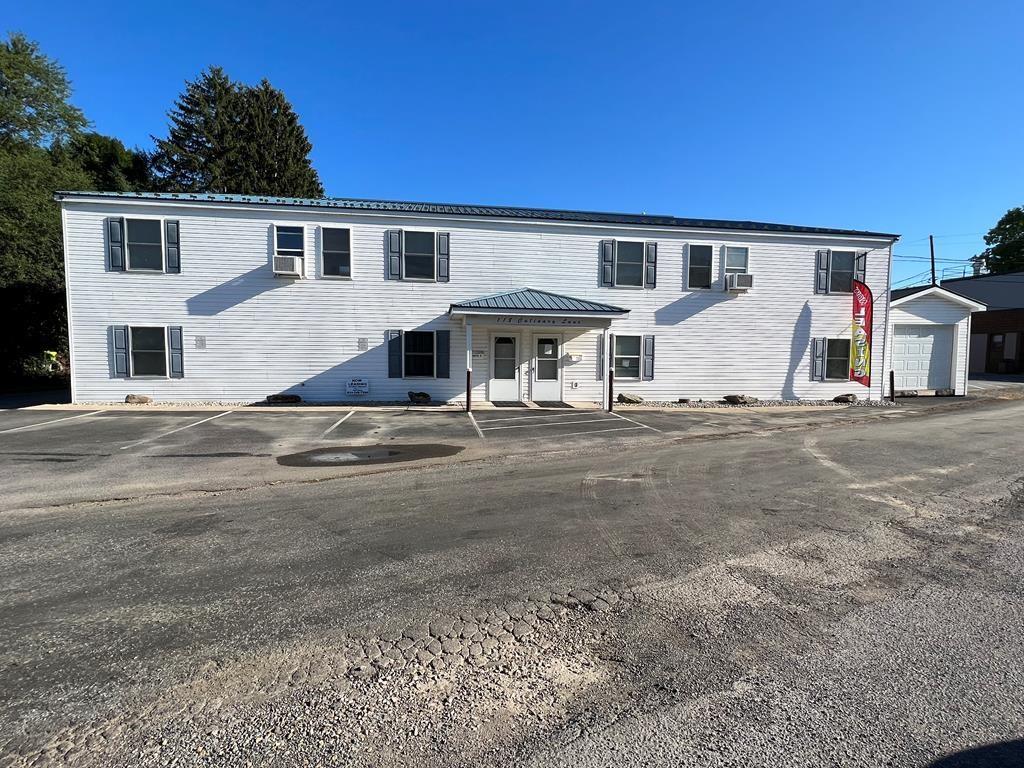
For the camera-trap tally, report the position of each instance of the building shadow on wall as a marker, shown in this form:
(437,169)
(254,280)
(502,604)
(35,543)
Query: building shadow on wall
(1004,754)
(799,348)
(233,292)
(689,306)
(372,363)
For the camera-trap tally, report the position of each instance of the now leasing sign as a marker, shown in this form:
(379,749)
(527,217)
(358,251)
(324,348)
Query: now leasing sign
(860,348)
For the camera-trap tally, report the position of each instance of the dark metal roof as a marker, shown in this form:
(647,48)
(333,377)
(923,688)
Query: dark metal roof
(488,211)
(532,300)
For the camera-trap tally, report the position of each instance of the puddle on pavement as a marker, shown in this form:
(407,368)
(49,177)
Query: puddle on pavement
(353,456)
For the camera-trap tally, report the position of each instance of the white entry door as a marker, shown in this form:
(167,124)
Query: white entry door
(922,356)
(547,369)
(504,383)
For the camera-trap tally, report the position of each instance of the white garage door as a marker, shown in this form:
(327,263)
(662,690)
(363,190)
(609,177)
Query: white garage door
(922,356)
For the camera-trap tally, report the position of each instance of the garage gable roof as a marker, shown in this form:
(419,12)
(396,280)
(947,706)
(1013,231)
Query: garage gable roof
(942,293)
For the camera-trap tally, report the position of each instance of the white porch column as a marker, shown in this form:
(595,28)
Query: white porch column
(469,366)
(609,356)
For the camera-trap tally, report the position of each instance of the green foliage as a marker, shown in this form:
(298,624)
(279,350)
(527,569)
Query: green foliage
(34,93)
(110,165)
(203,135)
(1005,241)
(232,138)
(31,253)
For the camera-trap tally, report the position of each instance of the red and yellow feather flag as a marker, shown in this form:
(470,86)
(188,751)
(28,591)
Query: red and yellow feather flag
(860,348)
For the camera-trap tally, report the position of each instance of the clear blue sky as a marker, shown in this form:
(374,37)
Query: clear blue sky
(895,116)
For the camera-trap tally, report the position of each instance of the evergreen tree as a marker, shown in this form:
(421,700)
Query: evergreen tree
(272,156)
(228,137)
(196,154)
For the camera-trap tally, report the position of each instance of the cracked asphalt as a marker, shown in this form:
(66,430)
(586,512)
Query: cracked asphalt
(818,596)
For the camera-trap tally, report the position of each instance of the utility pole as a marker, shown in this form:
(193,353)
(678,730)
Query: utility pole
(931,245)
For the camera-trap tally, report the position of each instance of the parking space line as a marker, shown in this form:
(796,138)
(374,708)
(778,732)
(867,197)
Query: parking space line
(338,423)
(179,429)
(631,421)
(588,432)
(476,426)
(542,416)
(44,423)
(548,424)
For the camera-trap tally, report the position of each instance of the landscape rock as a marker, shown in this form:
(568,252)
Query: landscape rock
(283,399)
(848,398)
(945,392)
(907,393)
(138,399)
(419,398)
(625,397)
(740,399)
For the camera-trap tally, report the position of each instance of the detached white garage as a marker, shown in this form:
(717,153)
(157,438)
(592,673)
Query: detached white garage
(930,329)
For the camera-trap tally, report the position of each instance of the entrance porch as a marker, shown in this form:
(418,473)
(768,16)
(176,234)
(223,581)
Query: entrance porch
(530,346)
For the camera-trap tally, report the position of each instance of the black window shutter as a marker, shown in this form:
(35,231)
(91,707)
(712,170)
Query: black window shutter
(115,244)
(648,370)
(608,262)
(119,345)
(393,247)
(442,354)
(821,280)
(650,265)
(818,371)
(176,350)
(172,246)
(394,354)
(443,256)
(860,268)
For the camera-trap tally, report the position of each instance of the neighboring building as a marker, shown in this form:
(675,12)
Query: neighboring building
(997,334)
(929,332)
(230,298)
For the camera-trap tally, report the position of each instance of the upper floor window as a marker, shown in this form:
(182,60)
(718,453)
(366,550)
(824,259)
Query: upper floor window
(148,346)
(145,245)
(629,264)
(419,255)
(288,251)
(698,273)
(841,269)
(418,353)
(736,260)
(337,252)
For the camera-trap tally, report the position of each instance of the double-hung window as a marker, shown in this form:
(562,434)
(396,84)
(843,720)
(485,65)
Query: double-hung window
(699,267)
(145,245)
(837,359)
(840,271)
(419,354)
(288,250)
(148,347)
(629,264)
(419,255)
(736,260)
(627,357)
(337,252)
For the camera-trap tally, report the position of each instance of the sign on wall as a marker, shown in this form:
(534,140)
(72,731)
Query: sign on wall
(357,386)
(860,348)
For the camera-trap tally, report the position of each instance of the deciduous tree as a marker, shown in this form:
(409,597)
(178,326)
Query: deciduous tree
(1005,241)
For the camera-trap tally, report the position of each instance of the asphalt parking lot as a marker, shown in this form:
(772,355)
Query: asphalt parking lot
(128,452)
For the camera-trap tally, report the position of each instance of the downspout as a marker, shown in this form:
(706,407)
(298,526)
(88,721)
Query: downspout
(886,339)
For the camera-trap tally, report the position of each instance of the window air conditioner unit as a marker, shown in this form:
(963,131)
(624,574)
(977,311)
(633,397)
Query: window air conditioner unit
(739,281)
(288,265)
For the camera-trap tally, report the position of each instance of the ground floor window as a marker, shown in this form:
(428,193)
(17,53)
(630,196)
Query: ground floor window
(837,359)
(627,357)
(148,348)
(419,353)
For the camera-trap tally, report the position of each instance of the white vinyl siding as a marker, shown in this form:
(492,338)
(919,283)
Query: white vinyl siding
(265,334)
